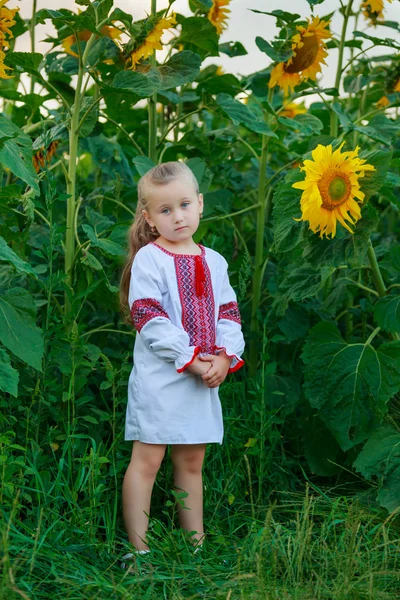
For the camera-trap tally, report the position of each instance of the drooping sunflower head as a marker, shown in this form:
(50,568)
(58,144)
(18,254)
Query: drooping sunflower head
(309,48)
(218,15)
(331,189)
(6,20)
(149,40)
(83,36)
(373,10)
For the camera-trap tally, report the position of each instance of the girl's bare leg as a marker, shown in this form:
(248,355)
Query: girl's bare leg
(188,464)
(137,488)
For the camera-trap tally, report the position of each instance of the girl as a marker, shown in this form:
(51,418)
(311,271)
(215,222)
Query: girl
(177,295)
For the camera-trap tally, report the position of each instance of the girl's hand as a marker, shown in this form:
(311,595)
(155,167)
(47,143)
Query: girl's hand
(199,367)
(219,369)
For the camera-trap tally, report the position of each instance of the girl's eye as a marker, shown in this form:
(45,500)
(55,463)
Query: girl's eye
(164,209)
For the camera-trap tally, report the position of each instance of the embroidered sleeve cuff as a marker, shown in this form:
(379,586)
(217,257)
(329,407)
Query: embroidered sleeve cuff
(236,361)
(186,358)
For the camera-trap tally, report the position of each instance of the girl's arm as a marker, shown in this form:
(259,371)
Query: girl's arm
(229,338)
(150,319)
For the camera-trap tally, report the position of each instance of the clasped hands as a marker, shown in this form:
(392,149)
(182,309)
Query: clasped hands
(213,368)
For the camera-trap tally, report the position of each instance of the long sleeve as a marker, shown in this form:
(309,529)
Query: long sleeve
(229,336)
(150,319)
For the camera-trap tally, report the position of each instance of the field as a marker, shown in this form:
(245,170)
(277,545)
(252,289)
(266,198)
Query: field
(301,196)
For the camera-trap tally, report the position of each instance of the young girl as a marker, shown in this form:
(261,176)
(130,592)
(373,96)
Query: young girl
(178,297)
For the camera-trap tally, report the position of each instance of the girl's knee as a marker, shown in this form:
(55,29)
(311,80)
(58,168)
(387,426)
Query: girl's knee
(188,457)
(148,457)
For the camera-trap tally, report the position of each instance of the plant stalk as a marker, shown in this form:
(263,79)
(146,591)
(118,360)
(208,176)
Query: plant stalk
(259,255)
(71,181)
(334,117)
(152,103)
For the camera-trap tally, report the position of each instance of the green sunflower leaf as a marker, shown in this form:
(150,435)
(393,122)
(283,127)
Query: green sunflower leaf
(200,32)
(387,313)
(349,384)
(8,255)
(288,233)
(278,53)
(380,457)
(9,376)
(301,283)
(18,331)
(241,114)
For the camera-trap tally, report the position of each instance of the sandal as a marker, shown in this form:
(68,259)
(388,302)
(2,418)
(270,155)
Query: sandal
(131,555)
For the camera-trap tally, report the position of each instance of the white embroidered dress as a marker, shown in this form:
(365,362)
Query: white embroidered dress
(182,305)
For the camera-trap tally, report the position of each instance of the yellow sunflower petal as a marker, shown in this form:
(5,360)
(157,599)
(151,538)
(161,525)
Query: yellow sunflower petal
(331,189)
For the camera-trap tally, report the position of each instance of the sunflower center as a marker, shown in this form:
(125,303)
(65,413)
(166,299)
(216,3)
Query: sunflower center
(335,188)
(305,56)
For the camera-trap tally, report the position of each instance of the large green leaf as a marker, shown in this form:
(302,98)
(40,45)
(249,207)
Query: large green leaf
(278,53)
(349,384)
(305,124)
(8,375)
(27,62)
(387,313)
(373,180)
(240,113)
(8,255)
(89,112)
(344,248)
(380,457)
(108,246)
(200,32)
(233,49)
(220,83)
(143,164)
(301,283)
(201,172)
(183,67)
(18,331)
(16,152)
(142,84)
(288,233)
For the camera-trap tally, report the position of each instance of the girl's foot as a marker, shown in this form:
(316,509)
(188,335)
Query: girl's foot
(131,555)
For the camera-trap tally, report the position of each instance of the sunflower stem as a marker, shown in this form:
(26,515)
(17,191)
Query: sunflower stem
(378,279)
(71,180)
(263,198)
(152,103)
(334,117)
(376,272)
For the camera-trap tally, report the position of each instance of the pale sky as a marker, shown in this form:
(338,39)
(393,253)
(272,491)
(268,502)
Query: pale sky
(244,26)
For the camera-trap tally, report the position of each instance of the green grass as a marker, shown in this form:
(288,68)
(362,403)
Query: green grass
(308,545)
(274,531)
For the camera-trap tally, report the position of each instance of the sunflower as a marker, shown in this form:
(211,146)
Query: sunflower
(373,10)
(291,109)
(383,102)
(6,22)
(83,36)
(218,15)
(152,41)
(331,188)
(40,157)
(309,52)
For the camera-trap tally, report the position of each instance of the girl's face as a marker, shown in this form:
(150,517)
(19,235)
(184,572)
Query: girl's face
(174,209)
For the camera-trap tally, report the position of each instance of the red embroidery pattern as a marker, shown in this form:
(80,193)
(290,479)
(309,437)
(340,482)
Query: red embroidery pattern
(198,311)
(230,310)
(145,309)
(196,296)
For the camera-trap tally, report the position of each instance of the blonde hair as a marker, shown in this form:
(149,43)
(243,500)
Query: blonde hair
(140,232)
